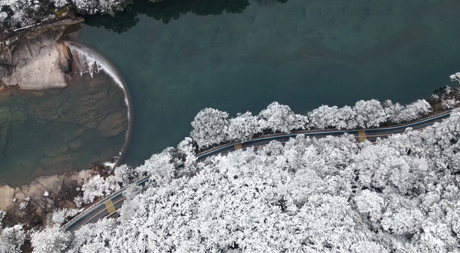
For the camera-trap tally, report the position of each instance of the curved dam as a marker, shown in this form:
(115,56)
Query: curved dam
(90,61)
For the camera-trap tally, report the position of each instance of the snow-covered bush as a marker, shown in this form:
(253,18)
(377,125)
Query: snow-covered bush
(455,77)
(449,103)
(186,149)
(60,3)
(210,127)
(50,240)
(59,216)
(12,239)
(23,205)
(280,118)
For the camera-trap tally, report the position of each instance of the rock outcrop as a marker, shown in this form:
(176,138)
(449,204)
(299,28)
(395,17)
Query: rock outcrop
(35,60)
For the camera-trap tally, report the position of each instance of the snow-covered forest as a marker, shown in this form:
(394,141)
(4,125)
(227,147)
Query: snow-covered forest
(20,13)
(400,194)
(309,195)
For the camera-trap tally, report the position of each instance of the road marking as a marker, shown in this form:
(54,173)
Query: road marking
(238,146)
(110,207)
(86,222)
(362,136)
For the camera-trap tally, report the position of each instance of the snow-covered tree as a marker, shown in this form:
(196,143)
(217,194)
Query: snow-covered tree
(371,204)
(99,6)
(369,113)
(125,175)
(280,118)
(210,127)
(186,149)
(98,186)
(21,13)
(332,117)
(12,239)
(323,117)
(50,240)
(397,113)
(243,127)
(160,167)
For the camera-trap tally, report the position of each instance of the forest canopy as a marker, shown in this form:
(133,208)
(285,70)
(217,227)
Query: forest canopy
(400,194)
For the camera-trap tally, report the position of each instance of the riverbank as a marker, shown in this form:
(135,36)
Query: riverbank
(44,87)
(32,204)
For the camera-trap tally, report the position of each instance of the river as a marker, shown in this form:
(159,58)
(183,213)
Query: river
(237,56)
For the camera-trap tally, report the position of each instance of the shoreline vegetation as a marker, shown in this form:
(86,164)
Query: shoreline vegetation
(19,15)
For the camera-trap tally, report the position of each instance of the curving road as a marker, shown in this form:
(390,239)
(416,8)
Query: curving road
(109,205)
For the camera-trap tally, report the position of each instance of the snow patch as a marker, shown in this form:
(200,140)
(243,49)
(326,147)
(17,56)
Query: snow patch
(109,164)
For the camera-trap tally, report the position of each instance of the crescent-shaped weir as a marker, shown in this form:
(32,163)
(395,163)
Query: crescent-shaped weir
(87,60)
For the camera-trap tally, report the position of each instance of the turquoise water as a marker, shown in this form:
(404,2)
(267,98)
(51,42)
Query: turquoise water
(178,58)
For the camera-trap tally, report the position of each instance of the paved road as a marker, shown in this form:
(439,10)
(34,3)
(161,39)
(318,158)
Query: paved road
(109,205)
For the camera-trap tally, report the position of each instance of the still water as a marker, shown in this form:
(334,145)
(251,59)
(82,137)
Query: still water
(59,130)
(178,58)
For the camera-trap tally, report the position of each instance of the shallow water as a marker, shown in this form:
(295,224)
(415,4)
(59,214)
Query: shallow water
(59,130)
(300,53)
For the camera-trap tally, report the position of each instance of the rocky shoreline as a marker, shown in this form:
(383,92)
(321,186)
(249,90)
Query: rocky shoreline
(36,59)
(31,204)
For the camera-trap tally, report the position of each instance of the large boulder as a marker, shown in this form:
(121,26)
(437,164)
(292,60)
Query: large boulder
(35,61)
